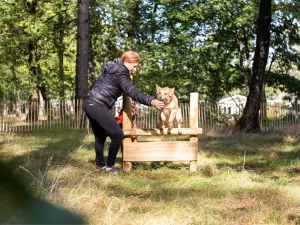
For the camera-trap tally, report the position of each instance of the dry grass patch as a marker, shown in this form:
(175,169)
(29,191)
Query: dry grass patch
(230,187)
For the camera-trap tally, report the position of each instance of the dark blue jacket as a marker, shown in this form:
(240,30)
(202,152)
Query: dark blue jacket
(113,82)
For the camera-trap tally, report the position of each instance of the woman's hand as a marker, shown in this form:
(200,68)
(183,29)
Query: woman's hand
(158,104)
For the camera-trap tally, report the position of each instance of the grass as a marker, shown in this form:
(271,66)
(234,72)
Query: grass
(241,179)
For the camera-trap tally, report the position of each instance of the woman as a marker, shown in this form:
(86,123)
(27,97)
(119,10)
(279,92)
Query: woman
(113,82)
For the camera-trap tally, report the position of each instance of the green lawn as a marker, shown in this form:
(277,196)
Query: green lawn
(241,179)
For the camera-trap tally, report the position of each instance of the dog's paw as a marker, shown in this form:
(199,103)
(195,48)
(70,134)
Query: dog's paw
(170,124)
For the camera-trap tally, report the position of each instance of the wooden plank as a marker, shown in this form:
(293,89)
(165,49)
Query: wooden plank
(160,132)
(160,151)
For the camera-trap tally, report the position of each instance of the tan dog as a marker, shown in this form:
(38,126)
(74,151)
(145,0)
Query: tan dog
(169,116)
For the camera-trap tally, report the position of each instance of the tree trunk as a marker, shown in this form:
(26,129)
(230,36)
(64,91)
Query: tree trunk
(61,65)
(34,69)
(82,60)
(18,105)
(82,57)
(5,106)
(249,121)
(263,109)
(154,26)
(61,49)
(33,95)
(133,20)
(92,67)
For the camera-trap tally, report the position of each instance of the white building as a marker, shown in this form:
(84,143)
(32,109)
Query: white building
(232,105)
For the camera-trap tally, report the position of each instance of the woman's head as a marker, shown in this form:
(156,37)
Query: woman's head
(130,57)
(131,60)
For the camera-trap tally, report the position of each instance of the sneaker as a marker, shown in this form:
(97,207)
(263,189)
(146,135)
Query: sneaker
(102,167)
(112,170)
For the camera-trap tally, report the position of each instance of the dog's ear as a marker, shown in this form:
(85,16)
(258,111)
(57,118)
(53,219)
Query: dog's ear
(157,88)
(171,92)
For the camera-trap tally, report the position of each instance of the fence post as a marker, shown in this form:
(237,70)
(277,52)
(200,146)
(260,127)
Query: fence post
(193,123)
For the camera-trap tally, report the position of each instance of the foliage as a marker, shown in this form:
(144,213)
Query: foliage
(37,23)
(194,46)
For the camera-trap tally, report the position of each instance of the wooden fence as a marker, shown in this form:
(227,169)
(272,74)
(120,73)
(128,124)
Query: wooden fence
(211,117)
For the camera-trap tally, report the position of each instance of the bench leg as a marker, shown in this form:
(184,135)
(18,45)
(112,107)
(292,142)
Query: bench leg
(127,166)
(193,166)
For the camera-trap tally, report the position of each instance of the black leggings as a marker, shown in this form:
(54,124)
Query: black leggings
(104,124)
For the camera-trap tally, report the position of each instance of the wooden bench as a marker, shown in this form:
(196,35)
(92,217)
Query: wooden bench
(161,150)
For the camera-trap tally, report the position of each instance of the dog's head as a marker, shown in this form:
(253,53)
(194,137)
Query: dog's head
(165,94)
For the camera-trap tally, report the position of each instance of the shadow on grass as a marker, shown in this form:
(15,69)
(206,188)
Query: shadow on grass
(21,206)
(259,153)
(27,206)
(160,164)
(57,147)
(61,145)
(263,152)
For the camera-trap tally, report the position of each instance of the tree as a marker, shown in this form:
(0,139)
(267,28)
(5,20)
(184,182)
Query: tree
(82,57)
(194,46)
(249,121)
